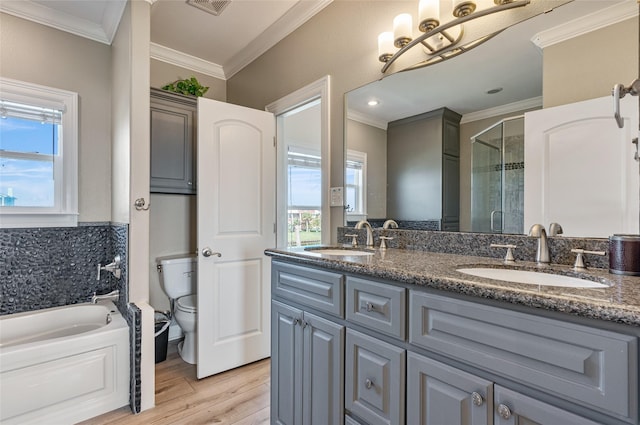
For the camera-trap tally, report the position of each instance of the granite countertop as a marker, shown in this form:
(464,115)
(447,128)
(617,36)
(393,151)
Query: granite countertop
(620,302)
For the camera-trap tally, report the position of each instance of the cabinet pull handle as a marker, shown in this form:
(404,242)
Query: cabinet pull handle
(477,399)
(371,307)
(504,411)
(368,383)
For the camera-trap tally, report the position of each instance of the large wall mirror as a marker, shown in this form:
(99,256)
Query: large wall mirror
(482,102)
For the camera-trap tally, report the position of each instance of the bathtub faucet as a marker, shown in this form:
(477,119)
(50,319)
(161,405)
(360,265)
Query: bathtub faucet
(113,296)
(113,267)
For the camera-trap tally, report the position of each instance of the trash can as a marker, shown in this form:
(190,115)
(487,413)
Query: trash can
(162,323)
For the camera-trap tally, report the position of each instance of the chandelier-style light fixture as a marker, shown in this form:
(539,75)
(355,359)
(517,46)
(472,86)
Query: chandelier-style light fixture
(447,33)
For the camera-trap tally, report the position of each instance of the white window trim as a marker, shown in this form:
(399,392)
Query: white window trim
(319,89)
(359,157)
(65,211)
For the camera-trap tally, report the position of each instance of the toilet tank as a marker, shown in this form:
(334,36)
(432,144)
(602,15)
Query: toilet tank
(178,274)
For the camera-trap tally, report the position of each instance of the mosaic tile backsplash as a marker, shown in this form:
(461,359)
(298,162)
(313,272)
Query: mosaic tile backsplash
(51,267)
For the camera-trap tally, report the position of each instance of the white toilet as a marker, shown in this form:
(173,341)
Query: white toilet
(178,277)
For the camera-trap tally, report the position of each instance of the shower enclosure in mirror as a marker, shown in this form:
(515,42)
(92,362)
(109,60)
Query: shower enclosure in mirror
(497,178)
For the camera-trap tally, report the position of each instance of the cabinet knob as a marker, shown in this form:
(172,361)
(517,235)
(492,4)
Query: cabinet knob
(368,383)
(504,411)
(477,399)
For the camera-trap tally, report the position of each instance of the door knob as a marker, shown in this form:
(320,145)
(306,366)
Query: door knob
(207,252)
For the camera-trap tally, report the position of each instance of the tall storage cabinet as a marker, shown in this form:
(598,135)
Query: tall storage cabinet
(173,142)
(423,168)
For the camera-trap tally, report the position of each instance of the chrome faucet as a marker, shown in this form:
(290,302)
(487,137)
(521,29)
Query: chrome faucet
(555,229)
(113,296)
(367,226)
(113,267)
(537,231)
(390,224)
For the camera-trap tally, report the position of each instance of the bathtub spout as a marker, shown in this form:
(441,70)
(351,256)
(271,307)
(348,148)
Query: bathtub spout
(113,296)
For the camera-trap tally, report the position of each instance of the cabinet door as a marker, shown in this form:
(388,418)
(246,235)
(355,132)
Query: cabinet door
(172,147)
(440,394)
(323,372)
(513,408)
(374,379)
(286,364)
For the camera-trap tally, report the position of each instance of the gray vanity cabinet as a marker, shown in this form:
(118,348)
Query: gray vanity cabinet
(440,394)
(423,168)
(173,142)
(306,368)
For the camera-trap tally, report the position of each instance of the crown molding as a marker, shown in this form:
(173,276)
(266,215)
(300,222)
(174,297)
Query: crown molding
(174,57)
(300,13)
(41,14)
(611,15)
(534,102)
(367,120)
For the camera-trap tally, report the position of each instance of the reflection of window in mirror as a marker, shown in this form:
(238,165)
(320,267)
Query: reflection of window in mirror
(355,185)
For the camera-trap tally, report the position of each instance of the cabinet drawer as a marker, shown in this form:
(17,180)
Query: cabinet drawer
(587,366)
(377,306)
(374,379)
(315,288)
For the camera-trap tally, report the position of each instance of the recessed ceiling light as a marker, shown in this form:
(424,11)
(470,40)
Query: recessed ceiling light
(373,102)
(494,91)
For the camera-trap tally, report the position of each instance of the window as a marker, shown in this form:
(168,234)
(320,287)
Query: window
(38,156)
(355,183)
(304,197)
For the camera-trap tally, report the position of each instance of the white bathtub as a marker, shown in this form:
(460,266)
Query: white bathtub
(63,365)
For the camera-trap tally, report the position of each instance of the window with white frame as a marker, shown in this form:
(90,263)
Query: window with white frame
(38,155)
(355,183)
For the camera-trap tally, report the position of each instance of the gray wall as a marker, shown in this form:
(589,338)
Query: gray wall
(372,141)
(42,55)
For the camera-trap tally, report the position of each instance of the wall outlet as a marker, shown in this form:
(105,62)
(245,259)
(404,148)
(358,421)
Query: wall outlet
(337,199)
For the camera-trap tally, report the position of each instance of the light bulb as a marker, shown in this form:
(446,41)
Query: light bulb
(428,15)
(402,33)
(385,46)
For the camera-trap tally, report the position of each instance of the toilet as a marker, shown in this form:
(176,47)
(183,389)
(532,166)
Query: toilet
(178,277)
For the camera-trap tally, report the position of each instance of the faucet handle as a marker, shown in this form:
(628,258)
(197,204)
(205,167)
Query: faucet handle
(383,241)
(508,258)
(354,238)
(579,264)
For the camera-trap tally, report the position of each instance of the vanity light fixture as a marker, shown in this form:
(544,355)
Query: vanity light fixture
(442,35)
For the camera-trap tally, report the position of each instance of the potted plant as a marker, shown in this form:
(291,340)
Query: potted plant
(189,86)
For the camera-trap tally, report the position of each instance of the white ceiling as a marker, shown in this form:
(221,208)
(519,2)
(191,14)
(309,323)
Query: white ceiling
(511,61)
(181,34)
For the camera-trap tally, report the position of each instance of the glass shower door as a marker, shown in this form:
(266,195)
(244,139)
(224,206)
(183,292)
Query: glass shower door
(487,181)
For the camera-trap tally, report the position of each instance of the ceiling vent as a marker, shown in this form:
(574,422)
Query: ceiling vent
(215,7)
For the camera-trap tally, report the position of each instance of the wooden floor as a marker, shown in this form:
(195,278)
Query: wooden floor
(239,396)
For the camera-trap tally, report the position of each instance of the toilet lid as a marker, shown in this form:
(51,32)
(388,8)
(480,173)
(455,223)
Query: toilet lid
(187,303)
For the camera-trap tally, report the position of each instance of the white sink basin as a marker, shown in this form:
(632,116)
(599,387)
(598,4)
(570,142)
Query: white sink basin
(531,277)
(340,252)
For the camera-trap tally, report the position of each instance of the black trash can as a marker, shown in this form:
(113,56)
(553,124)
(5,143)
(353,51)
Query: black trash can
(162,323)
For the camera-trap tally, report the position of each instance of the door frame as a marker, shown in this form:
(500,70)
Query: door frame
(319,89)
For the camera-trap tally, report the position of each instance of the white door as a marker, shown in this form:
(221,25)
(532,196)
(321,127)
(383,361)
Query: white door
(236,219)
(580,169)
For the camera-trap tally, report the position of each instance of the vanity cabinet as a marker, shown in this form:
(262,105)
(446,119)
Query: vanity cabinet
(353,350)
(423,168)
(173,142)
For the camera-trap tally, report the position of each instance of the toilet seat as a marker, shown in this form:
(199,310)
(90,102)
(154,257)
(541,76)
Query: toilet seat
(187,304)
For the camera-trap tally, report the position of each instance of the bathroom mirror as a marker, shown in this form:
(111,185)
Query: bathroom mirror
(484,92)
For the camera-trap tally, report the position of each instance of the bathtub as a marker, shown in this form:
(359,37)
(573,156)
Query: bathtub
(63,365)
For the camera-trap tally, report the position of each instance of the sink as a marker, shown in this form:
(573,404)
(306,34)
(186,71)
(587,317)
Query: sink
(339,252)
(531,277)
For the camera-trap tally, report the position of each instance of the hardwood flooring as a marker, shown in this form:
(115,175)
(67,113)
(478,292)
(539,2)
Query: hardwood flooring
(239,396)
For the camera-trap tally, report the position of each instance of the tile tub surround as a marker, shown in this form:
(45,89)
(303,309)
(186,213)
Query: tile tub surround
(50,267)
(620,303)
(478,244)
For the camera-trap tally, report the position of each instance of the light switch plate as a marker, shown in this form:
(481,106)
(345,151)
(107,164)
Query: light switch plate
(336,197)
